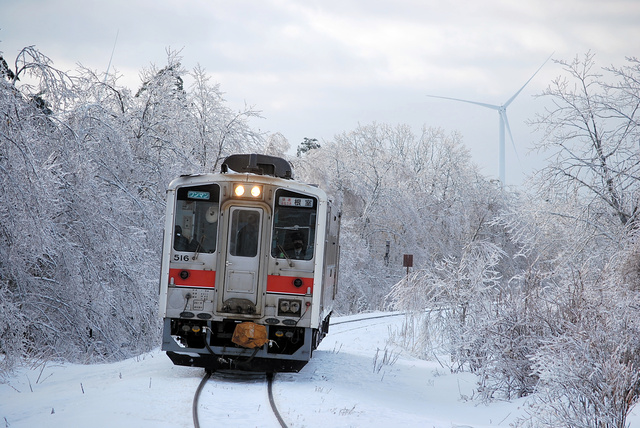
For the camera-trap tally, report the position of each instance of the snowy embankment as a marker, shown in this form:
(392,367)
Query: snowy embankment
(348,383)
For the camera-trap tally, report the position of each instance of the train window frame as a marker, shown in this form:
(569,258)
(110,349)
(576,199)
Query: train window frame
(294,219)
(196,218)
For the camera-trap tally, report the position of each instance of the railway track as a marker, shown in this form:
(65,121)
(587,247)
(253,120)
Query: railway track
(269,377)
(196,398)
(239,377)
(367,318)
(272,402)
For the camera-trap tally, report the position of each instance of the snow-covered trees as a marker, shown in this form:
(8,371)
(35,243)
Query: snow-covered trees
(218,128)
(547,299)
(83,169)
(592,131)
(32,261)
(589,364)
(420,194)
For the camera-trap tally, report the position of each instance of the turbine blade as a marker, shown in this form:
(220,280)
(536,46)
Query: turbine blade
(491,106)
(526,83)
(503,113)
(106,74)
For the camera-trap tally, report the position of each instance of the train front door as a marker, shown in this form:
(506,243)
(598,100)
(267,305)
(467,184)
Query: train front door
(242,264)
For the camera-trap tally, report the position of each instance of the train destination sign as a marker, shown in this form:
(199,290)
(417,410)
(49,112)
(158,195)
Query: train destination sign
(285,201)
(195,194)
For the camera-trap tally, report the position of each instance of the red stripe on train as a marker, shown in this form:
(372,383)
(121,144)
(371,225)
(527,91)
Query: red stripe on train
(196,278)
(285,284)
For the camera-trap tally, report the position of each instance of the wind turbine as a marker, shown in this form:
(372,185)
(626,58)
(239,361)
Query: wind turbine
(502,112)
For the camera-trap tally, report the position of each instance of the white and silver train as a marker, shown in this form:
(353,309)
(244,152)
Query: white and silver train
(249,267)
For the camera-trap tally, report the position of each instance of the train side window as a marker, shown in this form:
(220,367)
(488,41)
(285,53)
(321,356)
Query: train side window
(196,218)
(294,225)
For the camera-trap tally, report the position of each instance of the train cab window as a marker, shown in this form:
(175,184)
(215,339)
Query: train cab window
(196,218)
(294,225)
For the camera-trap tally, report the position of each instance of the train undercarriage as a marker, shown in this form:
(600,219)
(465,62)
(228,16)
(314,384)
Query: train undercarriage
(209,344)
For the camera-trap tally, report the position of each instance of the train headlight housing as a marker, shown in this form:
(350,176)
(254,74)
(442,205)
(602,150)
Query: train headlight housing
(284,306)
(250,192)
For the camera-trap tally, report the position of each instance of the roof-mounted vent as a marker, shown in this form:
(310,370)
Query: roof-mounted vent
(258,164)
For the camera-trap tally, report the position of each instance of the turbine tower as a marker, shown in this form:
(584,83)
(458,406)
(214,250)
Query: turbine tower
(503,121)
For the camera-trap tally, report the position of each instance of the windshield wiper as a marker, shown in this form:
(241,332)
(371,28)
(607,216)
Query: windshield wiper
(286,256)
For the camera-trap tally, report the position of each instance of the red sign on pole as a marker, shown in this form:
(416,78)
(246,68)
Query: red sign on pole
(407,260)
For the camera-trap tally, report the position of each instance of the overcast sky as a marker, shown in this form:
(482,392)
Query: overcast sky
(318,68)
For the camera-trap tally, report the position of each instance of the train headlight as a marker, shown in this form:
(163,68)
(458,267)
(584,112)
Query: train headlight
(241,191)
(294,306)
(284,306)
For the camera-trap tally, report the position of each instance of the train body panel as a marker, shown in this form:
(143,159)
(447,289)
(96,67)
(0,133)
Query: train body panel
(266,258)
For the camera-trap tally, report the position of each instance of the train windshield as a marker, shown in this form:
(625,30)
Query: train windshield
(294,225)
(196,220)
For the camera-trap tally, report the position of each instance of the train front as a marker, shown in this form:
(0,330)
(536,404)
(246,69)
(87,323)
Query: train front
(249,270)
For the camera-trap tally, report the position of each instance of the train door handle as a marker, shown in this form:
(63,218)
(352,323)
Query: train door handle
(228,263)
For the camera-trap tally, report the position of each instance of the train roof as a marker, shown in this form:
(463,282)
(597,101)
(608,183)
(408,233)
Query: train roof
(256,167)
(258,164)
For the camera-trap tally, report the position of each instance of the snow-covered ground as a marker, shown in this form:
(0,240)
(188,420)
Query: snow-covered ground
(344,385)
